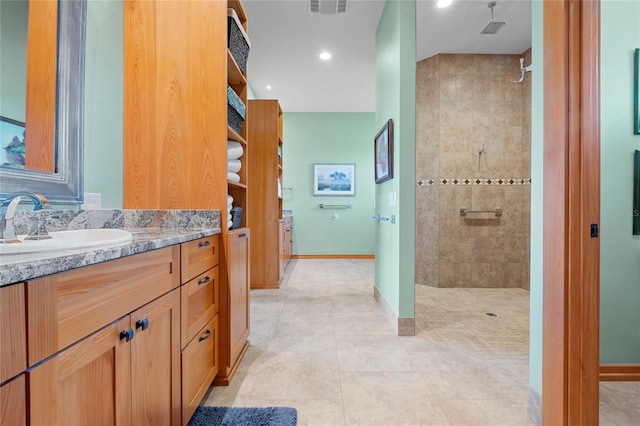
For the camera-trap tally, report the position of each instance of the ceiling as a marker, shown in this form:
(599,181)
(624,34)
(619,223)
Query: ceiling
(286,40)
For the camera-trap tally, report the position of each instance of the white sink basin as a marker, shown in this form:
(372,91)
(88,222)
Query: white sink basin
(69,240)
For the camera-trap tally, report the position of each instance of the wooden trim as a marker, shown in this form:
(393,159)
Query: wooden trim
(571,257)
(333,256)
(620,373)
(41,85)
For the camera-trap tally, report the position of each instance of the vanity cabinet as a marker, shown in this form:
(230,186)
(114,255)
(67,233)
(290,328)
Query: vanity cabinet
(104,347)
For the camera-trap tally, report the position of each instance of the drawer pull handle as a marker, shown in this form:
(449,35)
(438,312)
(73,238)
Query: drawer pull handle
(126,334)
(242,235)
(205,336)
(204,280)
(204,244)
(143,324)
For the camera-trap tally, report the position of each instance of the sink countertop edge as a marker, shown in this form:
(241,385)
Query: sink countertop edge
(20,267)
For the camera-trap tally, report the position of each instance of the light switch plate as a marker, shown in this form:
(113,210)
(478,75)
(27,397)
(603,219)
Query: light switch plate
(92,201)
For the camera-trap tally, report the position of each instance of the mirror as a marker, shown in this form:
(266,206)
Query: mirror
(64,182)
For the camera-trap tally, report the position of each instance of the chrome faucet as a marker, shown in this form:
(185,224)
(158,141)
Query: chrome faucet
(8,210)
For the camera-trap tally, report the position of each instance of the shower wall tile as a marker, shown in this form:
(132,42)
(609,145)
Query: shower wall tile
(447,64)
(464,65)
(466,103)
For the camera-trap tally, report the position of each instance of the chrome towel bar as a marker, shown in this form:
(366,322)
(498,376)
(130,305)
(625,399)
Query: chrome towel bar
(465,211)
(336,206)
(391,219)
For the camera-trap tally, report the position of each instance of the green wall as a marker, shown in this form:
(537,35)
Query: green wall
(14,16)
(103,128)
(619,249)
(329,138)
(395,98)
(537,154)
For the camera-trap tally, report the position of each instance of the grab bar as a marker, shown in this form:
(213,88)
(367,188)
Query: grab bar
(391,219)
(464,211)
(336,206)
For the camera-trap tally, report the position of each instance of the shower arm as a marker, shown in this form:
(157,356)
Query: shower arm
(523,70)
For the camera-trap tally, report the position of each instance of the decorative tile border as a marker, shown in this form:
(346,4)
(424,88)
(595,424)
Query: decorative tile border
(476,181)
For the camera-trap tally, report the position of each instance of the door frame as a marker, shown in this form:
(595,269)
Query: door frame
(571,307)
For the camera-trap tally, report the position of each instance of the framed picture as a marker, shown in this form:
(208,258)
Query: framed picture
(383,153)
(12,143)
(636,193)
(334,179)
(636,88)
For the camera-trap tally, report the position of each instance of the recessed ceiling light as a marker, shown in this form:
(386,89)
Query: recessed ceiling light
(268,87)
(444,3)
(325,56)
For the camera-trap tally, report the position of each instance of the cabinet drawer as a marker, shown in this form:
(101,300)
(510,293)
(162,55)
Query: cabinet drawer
(63,308)
(199,367)
(199,256)
(287,222)
(199,303)
(13,332)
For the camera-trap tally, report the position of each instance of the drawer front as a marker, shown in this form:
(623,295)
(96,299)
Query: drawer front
(199,303)
(65,307)
(13,332)
(199,256)
(200,363)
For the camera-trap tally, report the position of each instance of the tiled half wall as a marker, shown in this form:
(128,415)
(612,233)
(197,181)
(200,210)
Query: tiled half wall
(473,150)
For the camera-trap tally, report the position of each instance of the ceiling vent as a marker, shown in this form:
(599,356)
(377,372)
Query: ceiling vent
(328,7)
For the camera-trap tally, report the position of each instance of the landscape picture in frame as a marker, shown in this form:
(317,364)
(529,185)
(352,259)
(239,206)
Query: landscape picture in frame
(334,179)
(636,193)
(383,153)
(12,143)
(636,89)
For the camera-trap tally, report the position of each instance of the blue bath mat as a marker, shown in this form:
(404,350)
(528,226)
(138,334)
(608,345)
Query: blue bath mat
(245,416)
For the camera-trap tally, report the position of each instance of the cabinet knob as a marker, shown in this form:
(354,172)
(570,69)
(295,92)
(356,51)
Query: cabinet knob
(204,244)
(205,336)
(127,334)
(143,324)
(204,280)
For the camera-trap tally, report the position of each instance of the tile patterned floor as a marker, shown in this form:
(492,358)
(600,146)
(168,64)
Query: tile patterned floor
(321,344)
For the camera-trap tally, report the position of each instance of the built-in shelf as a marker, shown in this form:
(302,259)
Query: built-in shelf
(236,184)
(234,75)
(234,136)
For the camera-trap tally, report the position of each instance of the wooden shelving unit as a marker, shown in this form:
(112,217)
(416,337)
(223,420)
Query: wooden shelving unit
(235,293)
(265,206)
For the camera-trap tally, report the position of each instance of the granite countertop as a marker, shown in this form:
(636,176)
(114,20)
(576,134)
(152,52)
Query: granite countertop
(151,229)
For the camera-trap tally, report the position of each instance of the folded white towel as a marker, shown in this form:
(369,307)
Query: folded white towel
(233,177)
(229,199)
(229,224)
(233,166)
(234,150)
(229,217)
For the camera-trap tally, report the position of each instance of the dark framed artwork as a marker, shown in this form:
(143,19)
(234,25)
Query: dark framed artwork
(636,88)
(383,153)
(334,179)
(636,193)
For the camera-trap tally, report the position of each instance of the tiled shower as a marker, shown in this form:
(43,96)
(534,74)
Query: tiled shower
(473,151)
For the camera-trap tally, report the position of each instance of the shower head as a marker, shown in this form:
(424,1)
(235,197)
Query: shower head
(492,26)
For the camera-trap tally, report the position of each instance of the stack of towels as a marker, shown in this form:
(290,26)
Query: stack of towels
(229,207)
(234,152)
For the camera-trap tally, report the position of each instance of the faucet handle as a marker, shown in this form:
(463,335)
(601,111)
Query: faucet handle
(38,230)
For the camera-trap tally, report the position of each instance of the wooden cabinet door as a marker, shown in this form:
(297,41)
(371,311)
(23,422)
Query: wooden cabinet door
(155,362)
(288,241)
(238,292)
(87,383)
(13,402)
(13,335)
(282,249)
